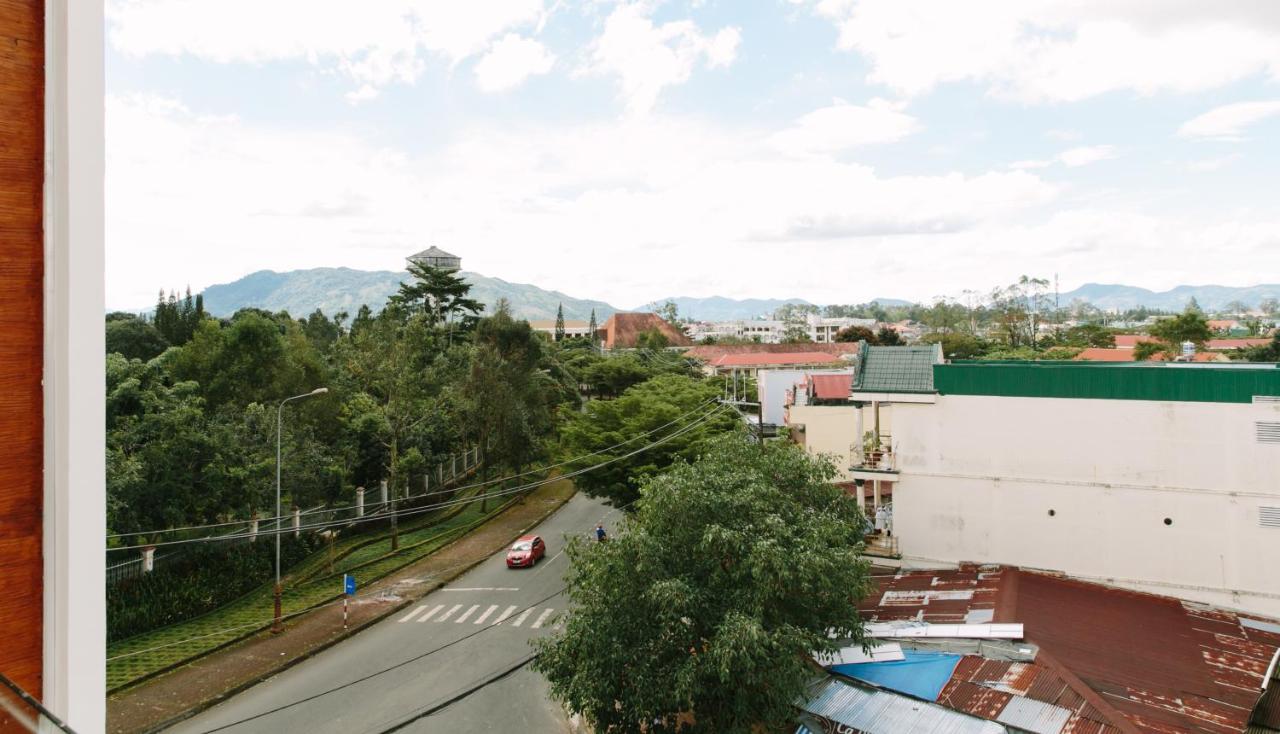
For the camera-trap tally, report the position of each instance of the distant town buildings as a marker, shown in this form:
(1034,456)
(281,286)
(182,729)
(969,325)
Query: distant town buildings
(573,328)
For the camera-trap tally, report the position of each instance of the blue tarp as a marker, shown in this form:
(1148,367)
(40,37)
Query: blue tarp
(921,674)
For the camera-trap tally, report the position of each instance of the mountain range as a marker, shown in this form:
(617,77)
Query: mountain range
(343,289)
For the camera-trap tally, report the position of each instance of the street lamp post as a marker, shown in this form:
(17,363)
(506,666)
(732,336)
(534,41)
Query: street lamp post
(276,626)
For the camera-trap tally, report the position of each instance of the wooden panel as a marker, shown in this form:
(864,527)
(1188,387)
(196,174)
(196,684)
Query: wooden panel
(21,339)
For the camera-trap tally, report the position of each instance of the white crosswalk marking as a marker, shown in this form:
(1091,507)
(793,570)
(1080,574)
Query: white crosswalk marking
(506,613)
(542,618)
(412,613)
(431,613)
(520,620)
(487,612)
(466,614)
(452,609)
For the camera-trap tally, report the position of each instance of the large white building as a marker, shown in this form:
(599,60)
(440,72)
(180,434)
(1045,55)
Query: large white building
(1157,477)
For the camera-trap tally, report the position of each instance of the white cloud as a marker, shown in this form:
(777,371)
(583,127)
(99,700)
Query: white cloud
(843,126)
(667,203)
(1071,158)
(1060,50)
(510,61)
(373,44)
(1212,164)
(1085,155)
(646,58)
(1228,122)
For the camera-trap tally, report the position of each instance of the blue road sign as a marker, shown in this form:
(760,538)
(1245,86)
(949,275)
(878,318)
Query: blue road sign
(348,583)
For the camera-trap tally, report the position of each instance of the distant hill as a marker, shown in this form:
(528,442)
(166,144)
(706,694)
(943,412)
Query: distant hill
(1106,296)
(342,289)
(891,302)
(718,308)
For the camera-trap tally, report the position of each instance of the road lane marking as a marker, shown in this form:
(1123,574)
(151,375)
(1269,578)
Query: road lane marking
(542,618)
(452,609)
(480,588)
(466,614)
(523,616)
(503,617)
(487,612)
(413,613)
(431,613)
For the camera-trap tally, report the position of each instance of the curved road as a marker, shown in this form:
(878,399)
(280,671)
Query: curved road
(488,594)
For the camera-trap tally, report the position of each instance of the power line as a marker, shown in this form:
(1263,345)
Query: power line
(424,712)
(281,518)
(449,503)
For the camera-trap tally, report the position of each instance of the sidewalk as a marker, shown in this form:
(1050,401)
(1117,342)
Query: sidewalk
(170,697)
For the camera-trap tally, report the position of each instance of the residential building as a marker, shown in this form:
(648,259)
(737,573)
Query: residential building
(753,362)
(707,353)
(572,327)
(1156,477)
(757,330)
(622,330)
(823,329)
(1006,650)
(776,388)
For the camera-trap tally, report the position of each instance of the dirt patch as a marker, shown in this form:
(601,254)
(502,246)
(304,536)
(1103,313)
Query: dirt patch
(187,690)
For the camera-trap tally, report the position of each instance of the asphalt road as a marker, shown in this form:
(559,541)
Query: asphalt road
(488,594)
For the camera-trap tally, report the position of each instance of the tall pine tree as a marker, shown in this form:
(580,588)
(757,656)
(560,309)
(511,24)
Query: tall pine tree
(560,322)
(592,327)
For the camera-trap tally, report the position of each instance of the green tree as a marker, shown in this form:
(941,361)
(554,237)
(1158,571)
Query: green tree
(888,337)
(1265,353)
(1144,351)
(1188,326)
(134,338)
(670,312)
(652,339)
(560,322)
(439,294)
(956,345)
(591,326)
(645,407)
(1269,306)
(1087,335)
(857,334)
(709,602)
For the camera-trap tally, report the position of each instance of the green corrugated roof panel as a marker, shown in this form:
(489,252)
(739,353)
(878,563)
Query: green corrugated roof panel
(896,369)
(1237,383)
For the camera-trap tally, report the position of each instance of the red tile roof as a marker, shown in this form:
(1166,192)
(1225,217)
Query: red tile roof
(1119,661)
(1129,341)
(830,387)
(622,330)
(761,359)
(1235,343)
(1102,354)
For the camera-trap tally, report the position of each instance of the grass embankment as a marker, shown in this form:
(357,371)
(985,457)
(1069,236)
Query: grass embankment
(310,584)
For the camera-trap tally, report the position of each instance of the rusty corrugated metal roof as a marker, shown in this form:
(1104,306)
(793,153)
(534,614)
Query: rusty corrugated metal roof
(774,358)
(831,387)
(1149,663)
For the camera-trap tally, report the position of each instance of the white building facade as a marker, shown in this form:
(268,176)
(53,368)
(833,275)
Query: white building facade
(1160,478)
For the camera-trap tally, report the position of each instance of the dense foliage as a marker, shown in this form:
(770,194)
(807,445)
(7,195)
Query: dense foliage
(701,614)
(198,581)
(192,402)
(653,407)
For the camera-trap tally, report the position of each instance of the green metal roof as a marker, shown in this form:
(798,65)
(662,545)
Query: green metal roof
(896,369)
(1160,381)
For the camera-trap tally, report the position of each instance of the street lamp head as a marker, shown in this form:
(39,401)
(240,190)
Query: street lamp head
(320,391)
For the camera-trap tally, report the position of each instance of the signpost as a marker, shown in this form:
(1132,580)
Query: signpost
(348,589)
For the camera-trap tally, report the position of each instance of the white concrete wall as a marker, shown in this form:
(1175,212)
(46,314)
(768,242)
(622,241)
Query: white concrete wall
(980,475)
(830,430)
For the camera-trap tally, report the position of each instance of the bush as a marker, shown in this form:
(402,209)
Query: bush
(201,580)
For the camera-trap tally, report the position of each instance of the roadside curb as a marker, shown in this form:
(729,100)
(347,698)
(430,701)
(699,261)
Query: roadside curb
(311,652)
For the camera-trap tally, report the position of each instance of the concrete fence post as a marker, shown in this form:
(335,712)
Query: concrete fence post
(439,473)
(297,522)
(359,501)
(383,486)
(149,559)
(426,483)
(453,465)
(253,528)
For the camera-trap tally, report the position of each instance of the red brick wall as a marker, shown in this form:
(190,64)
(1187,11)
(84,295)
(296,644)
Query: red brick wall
(21,339)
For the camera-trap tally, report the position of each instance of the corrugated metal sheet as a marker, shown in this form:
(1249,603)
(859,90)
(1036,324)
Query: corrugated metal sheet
(831,387)
(878,712)
(897,369)
(1107,381)
(1034,716)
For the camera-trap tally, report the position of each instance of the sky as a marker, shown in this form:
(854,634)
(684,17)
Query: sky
(832,150)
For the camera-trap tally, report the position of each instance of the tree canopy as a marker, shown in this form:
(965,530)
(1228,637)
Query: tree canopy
(708,603)
(642,408)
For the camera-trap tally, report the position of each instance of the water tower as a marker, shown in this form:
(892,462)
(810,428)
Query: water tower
(436,258)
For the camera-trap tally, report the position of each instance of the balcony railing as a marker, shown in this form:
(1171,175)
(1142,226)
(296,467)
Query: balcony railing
(878,459)
(20,711)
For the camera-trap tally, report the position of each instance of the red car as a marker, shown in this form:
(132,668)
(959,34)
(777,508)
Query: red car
(526,551)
